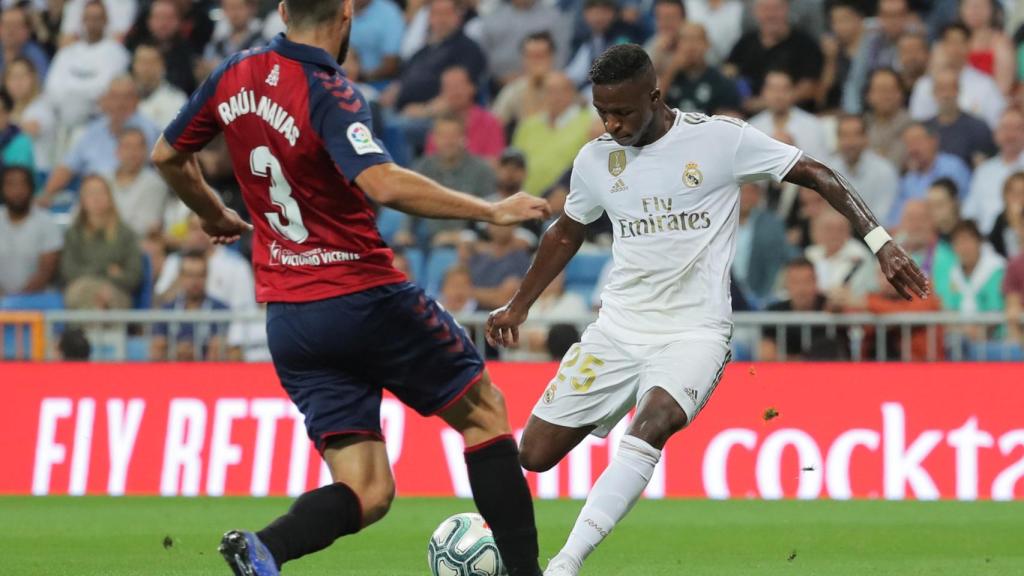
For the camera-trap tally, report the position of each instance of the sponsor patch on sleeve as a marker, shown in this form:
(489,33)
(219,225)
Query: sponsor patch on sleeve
(362,140)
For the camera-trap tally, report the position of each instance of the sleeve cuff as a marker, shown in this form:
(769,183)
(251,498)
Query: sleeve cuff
(789,165)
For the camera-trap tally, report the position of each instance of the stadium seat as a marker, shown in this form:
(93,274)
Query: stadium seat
(389,223)
(143,297)
(417,262)
(136,349)
(438,263)
(994,352)
(583,272)
(394,140)
(51,300)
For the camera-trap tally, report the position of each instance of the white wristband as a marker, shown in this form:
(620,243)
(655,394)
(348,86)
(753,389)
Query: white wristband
(876,239)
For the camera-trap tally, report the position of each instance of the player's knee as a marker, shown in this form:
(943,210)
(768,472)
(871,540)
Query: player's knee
(376,500)
(491,415)
(533,462)
(533,459)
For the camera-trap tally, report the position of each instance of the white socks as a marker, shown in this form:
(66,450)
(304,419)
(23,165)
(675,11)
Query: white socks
(612,497)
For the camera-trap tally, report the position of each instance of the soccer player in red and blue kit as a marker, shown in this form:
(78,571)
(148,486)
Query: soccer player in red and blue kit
(342,323)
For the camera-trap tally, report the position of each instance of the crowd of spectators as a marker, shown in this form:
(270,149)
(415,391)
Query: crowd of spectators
(917,103)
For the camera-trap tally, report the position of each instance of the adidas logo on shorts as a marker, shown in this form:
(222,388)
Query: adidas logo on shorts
(691,393)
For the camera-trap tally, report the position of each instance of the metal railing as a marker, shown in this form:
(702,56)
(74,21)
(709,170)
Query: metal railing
(861,337)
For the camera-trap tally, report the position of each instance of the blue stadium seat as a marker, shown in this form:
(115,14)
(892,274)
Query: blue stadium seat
(583,272)
(389,223)
(51,300)
(394,140)
(137,349)
(417,263)
(143,297)
(994,351)
(438,263)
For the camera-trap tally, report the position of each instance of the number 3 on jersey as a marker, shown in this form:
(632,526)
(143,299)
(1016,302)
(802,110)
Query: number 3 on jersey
(585,373)
(263,163)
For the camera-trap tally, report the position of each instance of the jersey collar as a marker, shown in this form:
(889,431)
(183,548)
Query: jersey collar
(302,52)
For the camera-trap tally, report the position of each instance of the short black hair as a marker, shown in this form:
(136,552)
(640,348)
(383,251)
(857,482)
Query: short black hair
(561,337)
(931,130)
(619,64)
(26,173)
(307,13)
(948,187)
(677,3)
(799,262)
(542,36)
(957,27)
(852,118)
(194,254)
(6,101)
(849,5)
(968,227)
(74,345)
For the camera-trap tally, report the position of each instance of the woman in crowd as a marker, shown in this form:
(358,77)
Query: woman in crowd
(21,81)
(101,265)
(31,111)
(975,282)
(991,50)
(1004,233)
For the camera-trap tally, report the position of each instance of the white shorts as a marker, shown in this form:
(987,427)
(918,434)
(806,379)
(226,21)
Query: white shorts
(600,380)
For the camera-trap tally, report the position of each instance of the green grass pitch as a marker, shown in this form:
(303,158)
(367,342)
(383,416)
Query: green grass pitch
(57,536)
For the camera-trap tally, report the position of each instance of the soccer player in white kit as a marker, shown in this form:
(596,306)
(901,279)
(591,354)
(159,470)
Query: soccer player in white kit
(669,181)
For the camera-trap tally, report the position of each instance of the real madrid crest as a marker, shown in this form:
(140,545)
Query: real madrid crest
(692,176)
(549,394)
(616,162)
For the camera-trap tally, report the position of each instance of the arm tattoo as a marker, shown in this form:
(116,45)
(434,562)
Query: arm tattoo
(836,189)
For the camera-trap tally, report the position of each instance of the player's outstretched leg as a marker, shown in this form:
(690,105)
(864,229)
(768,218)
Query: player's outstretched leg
(499,487)
(361,494)
(658,417)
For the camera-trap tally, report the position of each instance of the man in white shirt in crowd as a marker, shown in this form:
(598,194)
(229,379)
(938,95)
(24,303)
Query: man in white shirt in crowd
(874,177)
(140,193)
(840,262)
(979,94)
(228,278)
(82,71)
(120,14)
(722,19)
(30,241)
(984,201)
(784,121)
(160,100)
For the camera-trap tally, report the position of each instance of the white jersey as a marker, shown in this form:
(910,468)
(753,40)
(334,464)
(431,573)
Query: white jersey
(674,208)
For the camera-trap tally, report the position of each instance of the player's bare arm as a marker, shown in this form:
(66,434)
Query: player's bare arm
(412,193)
(899,268)
(559,244)
(182,173)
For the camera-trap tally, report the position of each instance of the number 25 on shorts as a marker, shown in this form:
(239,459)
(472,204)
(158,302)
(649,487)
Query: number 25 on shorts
(585,375)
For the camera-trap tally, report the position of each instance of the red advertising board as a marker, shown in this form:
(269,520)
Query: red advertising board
(842,431)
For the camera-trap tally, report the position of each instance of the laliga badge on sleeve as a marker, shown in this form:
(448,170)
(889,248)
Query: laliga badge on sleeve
(362,140)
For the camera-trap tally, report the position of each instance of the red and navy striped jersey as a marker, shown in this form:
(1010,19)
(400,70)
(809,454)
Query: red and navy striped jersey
(299,133)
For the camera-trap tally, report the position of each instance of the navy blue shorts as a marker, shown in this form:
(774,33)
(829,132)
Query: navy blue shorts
(335,357)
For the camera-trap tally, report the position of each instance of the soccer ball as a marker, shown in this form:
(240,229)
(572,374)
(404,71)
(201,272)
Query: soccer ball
(464,546)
